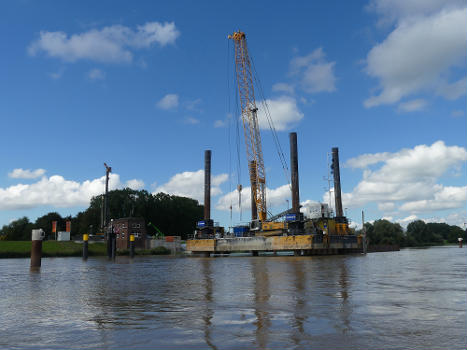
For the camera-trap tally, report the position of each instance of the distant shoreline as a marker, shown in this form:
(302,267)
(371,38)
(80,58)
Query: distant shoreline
(52,249)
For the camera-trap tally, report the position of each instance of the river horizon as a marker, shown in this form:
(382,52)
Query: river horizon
(411,299)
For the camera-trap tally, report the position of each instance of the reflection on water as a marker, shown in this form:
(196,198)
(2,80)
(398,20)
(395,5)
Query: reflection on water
(413,299)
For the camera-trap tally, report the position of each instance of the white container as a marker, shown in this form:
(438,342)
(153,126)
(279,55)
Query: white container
(37,235)
(63,236)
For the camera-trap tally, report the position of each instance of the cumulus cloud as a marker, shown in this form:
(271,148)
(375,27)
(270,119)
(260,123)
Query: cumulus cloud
(109,44)
(365,160)
(407,220)
(283,87)
(408,180)
(274,198)
(220,123)
(169,101)
(412,106)
(191,184)
(457,113)
(284,113)
(26,173)
(390,11)
(54,191)
(449,197)
(314,72)
(420,55)
(191,120)
(96,74)
(135,184)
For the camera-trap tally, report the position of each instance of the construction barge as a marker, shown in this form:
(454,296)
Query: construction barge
(290,230)
(323,234)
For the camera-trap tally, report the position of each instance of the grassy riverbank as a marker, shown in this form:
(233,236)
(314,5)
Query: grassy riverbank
(22,249)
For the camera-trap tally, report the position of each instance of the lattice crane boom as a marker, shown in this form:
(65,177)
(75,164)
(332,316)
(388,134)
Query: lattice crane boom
(250,123)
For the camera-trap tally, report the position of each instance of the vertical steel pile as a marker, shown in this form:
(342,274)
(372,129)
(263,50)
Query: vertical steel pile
(207,185)
(337,182)
(294,174)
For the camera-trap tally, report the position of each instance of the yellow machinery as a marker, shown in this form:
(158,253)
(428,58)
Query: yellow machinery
(250,123)
(252,135)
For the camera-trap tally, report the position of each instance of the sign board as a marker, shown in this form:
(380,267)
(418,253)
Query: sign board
(201,223)
(291,217)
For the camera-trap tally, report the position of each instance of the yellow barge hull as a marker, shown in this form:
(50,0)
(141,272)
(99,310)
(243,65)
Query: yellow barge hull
(301,244)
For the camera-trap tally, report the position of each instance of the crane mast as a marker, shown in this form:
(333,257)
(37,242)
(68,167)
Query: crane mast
(250,125)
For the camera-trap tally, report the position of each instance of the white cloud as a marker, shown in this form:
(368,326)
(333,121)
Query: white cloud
(220,123)
(191,184)
(449,197)
(456,218)
(58,74)
(407,220)
(194,105)
(96,74)
(457,113)
(412,105)
(274,198)
(109,44)
(452,91)
(54,191)
(191,120)
(284,113)
(283,87)
(135,184)
(26,173)
(386,206)
(418,56)
(365,160)
(169,101)
(409,179)
(395,10)
(315,73)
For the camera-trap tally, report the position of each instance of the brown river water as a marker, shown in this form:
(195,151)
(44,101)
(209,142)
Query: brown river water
(412,299)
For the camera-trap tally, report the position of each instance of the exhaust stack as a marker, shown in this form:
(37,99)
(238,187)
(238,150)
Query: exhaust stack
(207,185)
(337,182)
(294,174)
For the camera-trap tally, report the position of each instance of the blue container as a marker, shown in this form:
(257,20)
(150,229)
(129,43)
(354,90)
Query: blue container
(240,230)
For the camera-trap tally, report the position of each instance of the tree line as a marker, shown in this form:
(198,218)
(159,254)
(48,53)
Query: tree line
(418,233)
(173,215)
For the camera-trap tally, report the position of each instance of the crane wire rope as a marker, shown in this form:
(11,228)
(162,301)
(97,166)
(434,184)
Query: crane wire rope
(271,124)
(229,130)
(237,137)
(239,172)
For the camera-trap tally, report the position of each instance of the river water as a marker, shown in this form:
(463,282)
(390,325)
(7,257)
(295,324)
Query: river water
(412,299)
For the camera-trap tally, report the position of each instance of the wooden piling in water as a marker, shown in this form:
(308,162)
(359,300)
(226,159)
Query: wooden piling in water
(85,246)
(132,246)
(36,248)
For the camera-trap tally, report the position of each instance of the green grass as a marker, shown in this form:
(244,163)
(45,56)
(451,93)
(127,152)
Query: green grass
(22,249)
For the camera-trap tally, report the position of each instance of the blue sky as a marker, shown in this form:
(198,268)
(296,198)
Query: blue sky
(147,87)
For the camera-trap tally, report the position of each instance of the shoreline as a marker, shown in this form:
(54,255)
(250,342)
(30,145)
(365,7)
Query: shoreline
(54,249)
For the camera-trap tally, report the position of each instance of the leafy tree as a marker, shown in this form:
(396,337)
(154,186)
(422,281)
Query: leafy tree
(18,230)
(417,232)
(45,222)
(388,232)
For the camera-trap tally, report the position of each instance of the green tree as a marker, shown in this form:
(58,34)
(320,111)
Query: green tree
(18,230)
(45,222)
(388,232)
(417,233)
